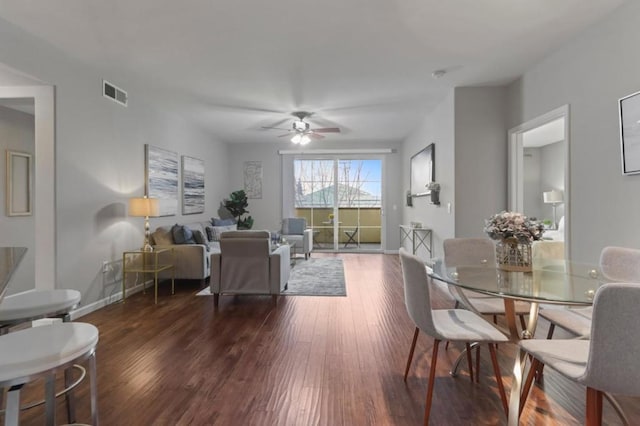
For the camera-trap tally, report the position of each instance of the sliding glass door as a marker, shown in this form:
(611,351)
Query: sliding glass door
(341,200)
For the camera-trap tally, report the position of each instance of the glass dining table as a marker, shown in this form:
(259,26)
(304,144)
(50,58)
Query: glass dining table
(558,282)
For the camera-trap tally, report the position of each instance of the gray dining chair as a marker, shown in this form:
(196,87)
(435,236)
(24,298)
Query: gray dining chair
(456,325)
(616,264)
(477,251)
(605,364)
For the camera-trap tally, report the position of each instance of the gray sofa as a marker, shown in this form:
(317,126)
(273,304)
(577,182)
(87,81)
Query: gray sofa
(192,261)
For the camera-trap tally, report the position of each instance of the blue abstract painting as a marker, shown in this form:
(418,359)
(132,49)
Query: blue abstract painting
(192,185)
(162,178)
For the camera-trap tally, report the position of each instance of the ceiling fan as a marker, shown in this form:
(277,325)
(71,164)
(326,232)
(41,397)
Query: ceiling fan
(302,131)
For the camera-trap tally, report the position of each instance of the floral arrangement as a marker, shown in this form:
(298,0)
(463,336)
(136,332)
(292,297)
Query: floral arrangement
(513,225)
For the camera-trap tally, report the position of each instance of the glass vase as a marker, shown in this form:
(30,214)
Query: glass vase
(512,255)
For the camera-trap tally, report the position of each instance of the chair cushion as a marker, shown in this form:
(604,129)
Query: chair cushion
(463,325)
(576,321)
(182,234)
(568,357)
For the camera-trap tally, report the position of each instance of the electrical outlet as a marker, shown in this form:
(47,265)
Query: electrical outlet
(105,266)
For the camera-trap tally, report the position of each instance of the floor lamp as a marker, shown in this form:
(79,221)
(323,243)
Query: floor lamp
(144,207)
(554,198)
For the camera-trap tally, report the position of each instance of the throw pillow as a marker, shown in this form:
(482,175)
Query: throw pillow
(209,230)
(218,230)
(182,234)
(222,222)
(295,226)
(162,237)
(199,238)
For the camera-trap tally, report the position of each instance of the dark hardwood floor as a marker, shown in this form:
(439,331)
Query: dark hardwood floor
(308,361)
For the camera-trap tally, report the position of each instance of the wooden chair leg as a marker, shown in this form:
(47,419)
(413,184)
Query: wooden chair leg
(523,323)
(535,363)
(496,371)
(216,299)
(495,319)
(432,376)
(469,361)
(478,364)
(594,408)
(413,347)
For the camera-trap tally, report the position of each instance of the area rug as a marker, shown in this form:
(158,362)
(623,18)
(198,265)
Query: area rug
(313,277)
(323,276)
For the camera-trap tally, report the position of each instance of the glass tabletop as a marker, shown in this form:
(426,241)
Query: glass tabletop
(10,258)
(561,283)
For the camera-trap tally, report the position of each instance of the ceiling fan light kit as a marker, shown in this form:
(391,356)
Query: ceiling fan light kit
(303,133)
(301,139)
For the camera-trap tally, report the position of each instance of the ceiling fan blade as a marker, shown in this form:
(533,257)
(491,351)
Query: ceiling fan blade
(274,128)
(286,134)
(314,135)
(327,130)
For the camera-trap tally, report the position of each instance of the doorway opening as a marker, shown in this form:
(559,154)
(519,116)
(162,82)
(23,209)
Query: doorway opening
(539,178)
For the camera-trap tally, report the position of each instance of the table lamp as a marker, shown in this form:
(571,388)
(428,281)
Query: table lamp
(554,198)
(144,207)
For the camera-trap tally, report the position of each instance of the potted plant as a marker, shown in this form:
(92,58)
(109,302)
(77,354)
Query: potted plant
(237,204)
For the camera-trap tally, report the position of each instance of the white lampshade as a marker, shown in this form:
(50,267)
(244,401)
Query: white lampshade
(143,207)
(296,138)
(551,197)
(305,140)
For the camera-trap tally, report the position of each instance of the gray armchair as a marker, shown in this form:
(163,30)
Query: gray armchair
(247,265)
(294,229)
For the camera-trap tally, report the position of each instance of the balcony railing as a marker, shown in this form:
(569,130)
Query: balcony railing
(367,219)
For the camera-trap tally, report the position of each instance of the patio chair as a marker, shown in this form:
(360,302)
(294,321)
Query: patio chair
(351,235)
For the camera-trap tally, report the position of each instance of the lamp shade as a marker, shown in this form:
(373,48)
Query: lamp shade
(551,197)
(143,206)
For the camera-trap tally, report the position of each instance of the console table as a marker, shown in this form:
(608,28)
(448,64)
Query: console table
(147,262)
(419,237)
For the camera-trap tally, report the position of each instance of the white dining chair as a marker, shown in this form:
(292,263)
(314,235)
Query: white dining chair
(605,364)
(616,264)
(477,251)
(456,325)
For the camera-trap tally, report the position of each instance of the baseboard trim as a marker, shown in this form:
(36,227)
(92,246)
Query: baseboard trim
(105,301)
(391,251)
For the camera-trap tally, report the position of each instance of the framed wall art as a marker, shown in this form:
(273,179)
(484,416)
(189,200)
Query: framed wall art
(629,112)
(161,177)
(253,179)
(18,184)
(192,185)
(423,171)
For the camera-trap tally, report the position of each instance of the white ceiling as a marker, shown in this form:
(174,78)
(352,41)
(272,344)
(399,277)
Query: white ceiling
(362,65)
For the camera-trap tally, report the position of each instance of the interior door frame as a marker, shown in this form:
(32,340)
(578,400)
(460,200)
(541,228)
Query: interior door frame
(516,165)
(44,182)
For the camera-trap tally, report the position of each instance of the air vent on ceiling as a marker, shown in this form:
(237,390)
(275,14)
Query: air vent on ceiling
(114,93)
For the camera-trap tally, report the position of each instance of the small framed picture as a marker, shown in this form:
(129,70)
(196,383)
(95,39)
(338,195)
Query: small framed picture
(629,108)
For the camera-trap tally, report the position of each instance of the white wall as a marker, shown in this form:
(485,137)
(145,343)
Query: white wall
(480,157)
(438,128)
(17,134)
(100,161)
(267,211)
(591,73)
(552,159)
